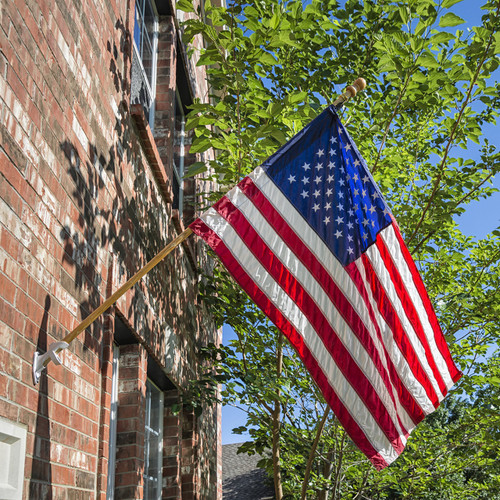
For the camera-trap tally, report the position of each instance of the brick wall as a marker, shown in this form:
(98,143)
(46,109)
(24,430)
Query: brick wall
(85,201)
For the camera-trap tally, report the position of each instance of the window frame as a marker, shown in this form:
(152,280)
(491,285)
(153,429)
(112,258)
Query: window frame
(147,444)
(151,86)
(179,170)
(113,424)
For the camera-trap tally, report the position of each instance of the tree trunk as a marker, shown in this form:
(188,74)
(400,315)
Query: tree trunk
(312,453)
(278,489)
(327,473)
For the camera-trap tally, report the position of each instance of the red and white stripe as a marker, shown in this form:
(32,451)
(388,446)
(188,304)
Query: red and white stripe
(367,333)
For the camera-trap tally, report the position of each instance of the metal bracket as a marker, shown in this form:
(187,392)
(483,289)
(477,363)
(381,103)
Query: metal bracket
(40,360)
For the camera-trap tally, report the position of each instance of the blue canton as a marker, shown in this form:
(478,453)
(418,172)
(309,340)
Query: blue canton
(323,175)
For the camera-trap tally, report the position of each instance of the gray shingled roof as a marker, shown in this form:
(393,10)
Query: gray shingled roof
(241,479)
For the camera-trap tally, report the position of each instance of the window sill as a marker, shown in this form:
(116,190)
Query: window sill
(151,151)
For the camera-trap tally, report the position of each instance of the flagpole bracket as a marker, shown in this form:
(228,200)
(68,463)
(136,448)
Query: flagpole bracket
(40,361)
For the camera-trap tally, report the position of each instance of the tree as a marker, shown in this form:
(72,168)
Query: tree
(272,67)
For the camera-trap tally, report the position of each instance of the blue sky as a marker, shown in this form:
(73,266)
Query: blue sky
(479,219)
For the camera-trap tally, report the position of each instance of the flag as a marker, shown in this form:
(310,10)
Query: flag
(310,238)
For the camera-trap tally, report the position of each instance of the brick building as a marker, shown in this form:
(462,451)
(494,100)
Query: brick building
(93,98)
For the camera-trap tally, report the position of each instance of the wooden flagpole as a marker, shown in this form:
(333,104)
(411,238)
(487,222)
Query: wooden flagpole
(40,361)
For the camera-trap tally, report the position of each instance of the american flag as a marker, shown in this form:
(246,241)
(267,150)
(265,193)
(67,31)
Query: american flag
(310,238)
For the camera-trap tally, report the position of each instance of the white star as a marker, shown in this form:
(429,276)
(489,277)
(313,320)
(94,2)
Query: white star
(355,177)
(365,237)
(338,233)
(304,194)
(341,194)
(348,177)
(350,250)
(386,211)
(316,193)
(356,192)
(366,178)
(326,220)
(366,222)
(305,180)
(339,220)
(373,223)
(320,152)
(341,182)
(350,225)
(291,178)
(328,206)
(351,212)
(356,162)
(306,166)
(331,165)
(363,193)
(340,206)
(342,169)
(333,140)
(329,192)
(356,207)
(319,166)
(333,152)
(372,209)
(349,237)
(375,195)
(365,207)
(317,180)
(347,147)
(315,207)
(330,178)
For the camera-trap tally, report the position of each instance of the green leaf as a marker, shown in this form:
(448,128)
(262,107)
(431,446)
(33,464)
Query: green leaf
(497,42)
(449,20)
(274,22)
(428,61)
(441,37)
(449,3)
(185,5)
(195,169)
(200,146)
(267,58)
(297,97)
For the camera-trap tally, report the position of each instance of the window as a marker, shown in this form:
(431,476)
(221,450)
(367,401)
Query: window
(144,57)
(179,153)
(110,488)
(153,442)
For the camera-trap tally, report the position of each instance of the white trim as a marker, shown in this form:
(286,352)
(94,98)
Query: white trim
(151,87)
(12,453)
(110,486)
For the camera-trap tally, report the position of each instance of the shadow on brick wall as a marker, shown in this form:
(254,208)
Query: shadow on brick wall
(128,225)
(41,477)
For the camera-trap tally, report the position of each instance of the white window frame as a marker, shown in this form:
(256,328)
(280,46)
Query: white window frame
(159,434)
(179,169)
(113,420)
(151,88)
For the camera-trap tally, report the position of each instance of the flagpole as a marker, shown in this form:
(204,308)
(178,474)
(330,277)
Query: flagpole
(40,361)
